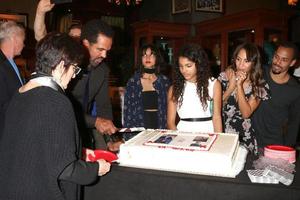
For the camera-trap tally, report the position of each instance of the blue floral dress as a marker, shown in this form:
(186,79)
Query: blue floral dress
(133,103)
(232,117)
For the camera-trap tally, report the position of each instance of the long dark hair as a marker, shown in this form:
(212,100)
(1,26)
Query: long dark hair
(155,52)
(196,54)
(253,56)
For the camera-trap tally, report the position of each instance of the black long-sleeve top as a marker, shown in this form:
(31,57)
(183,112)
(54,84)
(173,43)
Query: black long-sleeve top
(277,120)
(40,149)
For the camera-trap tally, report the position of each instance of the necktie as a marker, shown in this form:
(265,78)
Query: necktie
(16,70)
(92,110)
(86,92)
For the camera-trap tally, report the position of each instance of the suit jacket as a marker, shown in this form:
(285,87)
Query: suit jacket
(98,93)
(9,84)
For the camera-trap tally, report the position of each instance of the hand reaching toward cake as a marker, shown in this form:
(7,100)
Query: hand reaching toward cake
(114,146)
(104,167)
(105,126)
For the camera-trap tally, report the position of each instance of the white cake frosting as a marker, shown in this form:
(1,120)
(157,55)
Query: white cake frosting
(219,159)
(183,141)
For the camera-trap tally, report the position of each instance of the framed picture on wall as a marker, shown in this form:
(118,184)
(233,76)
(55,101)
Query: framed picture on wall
(19,18)
(180,6)
(209,5)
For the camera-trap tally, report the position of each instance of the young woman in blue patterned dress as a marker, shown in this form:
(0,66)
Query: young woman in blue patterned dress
(145,100)
(243,89)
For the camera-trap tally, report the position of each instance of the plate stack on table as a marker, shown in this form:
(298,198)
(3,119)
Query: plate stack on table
(276,166)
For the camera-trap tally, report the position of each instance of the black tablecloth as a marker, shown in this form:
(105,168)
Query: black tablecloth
(143,184)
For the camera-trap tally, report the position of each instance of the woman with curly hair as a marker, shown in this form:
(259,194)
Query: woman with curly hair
(195,96)
(243,89)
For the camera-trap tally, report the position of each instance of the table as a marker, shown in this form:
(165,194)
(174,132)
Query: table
(143,184)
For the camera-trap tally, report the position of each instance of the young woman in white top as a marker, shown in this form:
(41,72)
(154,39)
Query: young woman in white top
(194,95)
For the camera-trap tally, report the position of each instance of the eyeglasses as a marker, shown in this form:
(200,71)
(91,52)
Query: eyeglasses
(77,69)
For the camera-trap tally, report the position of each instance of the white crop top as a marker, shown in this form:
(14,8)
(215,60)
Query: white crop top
(191,105)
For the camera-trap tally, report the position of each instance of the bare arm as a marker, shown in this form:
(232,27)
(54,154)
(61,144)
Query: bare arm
(247,107)
(230,74)
(39,22)
(217,107)
(171,115)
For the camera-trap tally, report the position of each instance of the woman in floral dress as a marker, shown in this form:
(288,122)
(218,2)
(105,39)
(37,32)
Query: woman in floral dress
(243,89)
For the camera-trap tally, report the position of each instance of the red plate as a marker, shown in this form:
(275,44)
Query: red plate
(280,148)
(100,154)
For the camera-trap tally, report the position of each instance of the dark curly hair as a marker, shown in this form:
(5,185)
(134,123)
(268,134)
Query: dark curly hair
(155,52)
(93,28)
(253,55)
(196,54)
(54,48)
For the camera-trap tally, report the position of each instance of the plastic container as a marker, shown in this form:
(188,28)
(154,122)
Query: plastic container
(279,151)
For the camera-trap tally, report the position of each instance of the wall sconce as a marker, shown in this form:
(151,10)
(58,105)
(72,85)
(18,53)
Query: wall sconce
(126,2)
(292,2)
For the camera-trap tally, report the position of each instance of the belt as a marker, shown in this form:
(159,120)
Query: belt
(197,119)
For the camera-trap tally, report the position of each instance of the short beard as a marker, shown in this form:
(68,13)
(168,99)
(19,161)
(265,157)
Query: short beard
(276,72)
(95,64)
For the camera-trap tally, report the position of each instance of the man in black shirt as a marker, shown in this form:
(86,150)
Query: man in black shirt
(277,120)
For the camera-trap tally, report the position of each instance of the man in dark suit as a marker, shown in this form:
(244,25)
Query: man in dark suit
(90,92)
(12,38)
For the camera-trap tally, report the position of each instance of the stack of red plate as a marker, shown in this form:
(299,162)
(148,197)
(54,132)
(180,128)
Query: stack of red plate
(279,151)
(94,155)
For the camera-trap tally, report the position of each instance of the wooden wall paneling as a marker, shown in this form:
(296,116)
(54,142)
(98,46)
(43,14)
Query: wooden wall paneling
(259,20)
(175,32)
